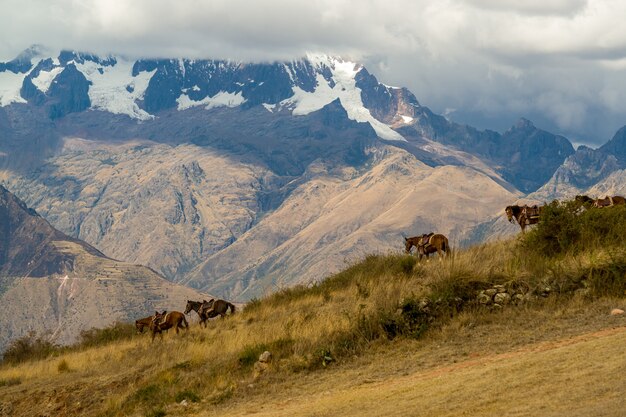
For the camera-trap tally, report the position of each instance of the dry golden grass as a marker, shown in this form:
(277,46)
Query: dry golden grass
(333,356)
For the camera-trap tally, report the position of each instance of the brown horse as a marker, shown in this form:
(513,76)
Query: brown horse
(213,308)
(431,243)
(524,215)
(165,321)
(142,323)
(197,307)
(609,201)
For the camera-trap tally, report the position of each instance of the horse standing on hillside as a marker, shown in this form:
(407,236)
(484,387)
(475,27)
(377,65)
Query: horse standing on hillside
(197,307)
(428,243)
(165,321)
(431,243)
(524,215)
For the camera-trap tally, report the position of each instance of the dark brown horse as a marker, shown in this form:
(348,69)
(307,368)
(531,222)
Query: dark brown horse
(143,323)
(524,215)
(214,308)
(198,307)
(165,321)
(609,201)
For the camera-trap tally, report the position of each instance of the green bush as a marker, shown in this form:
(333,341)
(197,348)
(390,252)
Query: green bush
(113,333)
(188,395)
(565,227)
(29,347)
(63,367)
(10,382)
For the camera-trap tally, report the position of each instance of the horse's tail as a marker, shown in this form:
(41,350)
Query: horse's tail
(232,307)
(185,321)
(446,246)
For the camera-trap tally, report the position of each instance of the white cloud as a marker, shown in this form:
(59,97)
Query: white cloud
(560,61)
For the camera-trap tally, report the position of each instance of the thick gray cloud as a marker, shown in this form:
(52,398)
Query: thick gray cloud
(561,63)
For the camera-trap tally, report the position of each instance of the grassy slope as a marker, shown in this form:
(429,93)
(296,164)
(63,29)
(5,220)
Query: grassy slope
(559,355)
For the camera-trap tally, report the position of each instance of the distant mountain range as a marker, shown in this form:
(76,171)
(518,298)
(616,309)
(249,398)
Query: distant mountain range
(56,284)
(240,178)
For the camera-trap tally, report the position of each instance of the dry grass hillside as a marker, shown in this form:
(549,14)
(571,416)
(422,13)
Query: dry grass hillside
(518,327)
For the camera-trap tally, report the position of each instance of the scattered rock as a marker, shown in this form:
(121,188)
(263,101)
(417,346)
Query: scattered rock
(484,298)
(265,357)
(617,312)
(502,298)
(184,403)
(499,288)
(262,365)
(259,369)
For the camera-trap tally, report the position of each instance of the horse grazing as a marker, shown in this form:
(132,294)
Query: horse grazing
(524,215)
(165,321)
(427,243)
(609,201)
(409,242)
(213,308)
(142,323)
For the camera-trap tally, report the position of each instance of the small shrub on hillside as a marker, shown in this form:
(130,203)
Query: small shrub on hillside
(188,395)
(63,367)
(10,382)
(29,347)
(98,337)
(147,395)
(609,279)
(252,305)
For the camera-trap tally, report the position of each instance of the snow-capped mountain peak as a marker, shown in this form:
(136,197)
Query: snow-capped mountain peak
(141,89)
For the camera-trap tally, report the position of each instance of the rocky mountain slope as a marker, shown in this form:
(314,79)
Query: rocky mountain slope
(52,283)
(196,167)
(596,172)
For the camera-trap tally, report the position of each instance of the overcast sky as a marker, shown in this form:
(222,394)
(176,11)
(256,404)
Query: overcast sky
(560,63)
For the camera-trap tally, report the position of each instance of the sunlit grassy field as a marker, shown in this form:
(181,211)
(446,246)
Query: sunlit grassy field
(387,336)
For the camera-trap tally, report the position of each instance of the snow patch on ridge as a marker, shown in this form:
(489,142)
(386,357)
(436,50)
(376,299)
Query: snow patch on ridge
(10,86)
(221,99)
(345,89)
(45,78)
(114,89)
